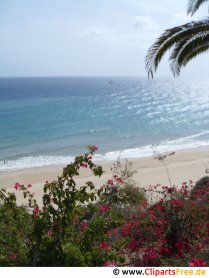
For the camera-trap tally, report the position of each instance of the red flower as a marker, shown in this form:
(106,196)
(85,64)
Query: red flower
(110,182)
(151,213)
(158,231)
(17,185)
(84,165)
(165,250)
(103,208)
(170,190)
(84,225)
(126,229)
(104,245)
(197,262)
(36,210)
(159,207)
(182,246)
(29,185)
(119,180)
(150,255)
(13,256)
(179,244)
(176,203)
(134,245)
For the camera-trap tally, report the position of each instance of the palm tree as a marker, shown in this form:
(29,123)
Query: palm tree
(187,41)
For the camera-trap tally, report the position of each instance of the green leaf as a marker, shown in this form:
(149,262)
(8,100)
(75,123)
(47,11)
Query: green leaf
(98,171)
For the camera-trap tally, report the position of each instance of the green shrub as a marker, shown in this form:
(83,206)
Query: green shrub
(58,234)
(113,225)
(15,230)
(122,188)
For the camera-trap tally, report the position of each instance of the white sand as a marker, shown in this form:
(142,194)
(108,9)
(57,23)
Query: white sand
(183,166)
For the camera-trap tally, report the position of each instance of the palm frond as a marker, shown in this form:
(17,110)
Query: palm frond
(173,37)
(193,6)
(193,54)
(187,46)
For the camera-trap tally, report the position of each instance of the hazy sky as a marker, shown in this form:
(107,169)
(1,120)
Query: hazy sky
(87,37)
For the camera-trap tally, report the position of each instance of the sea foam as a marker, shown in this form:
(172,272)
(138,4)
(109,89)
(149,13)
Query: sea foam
(179,144)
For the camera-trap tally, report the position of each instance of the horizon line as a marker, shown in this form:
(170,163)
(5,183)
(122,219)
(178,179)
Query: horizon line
(98,76)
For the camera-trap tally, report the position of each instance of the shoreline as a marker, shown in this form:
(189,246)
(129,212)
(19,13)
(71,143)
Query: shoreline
(183,166)
(107,161)
(39,161)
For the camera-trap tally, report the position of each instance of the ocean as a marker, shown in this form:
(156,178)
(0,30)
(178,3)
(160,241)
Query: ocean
(47,121)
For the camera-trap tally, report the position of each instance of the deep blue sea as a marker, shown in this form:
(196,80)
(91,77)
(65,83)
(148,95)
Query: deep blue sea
(46,121)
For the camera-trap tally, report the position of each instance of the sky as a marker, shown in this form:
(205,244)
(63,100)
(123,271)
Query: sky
(88,37)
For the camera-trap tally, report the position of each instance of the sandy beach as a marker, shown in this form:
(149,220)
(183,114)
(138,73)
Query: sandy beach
(182,166)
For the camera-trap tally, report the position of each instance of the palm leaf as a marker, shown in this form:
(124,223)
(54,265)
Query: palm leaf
(193,6)
(187,46)
(174,37)
(193,54)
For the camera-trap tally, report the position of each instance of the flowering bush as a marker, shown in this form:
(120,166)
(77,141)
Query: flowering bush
(170,231)
(111,226)
(67,229)
(197,262)
(121,189)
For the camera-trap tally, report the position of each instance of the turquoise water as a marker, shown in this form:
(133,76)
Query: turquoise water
(45,121)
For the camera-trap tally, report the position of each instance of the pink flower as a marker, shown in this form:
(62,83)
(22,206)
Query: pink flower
(17,185)
(84,225)
(159,206)
(95,148)
(104,245)
(126,228)
(170,190)
(150,255)
(119,180)
(197,262)
(110,182)
(176,202)
(13,256)
(29,185)
(103,208)
(36,210)
(108,264)
(89,157)
(84,165)
(50,233)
